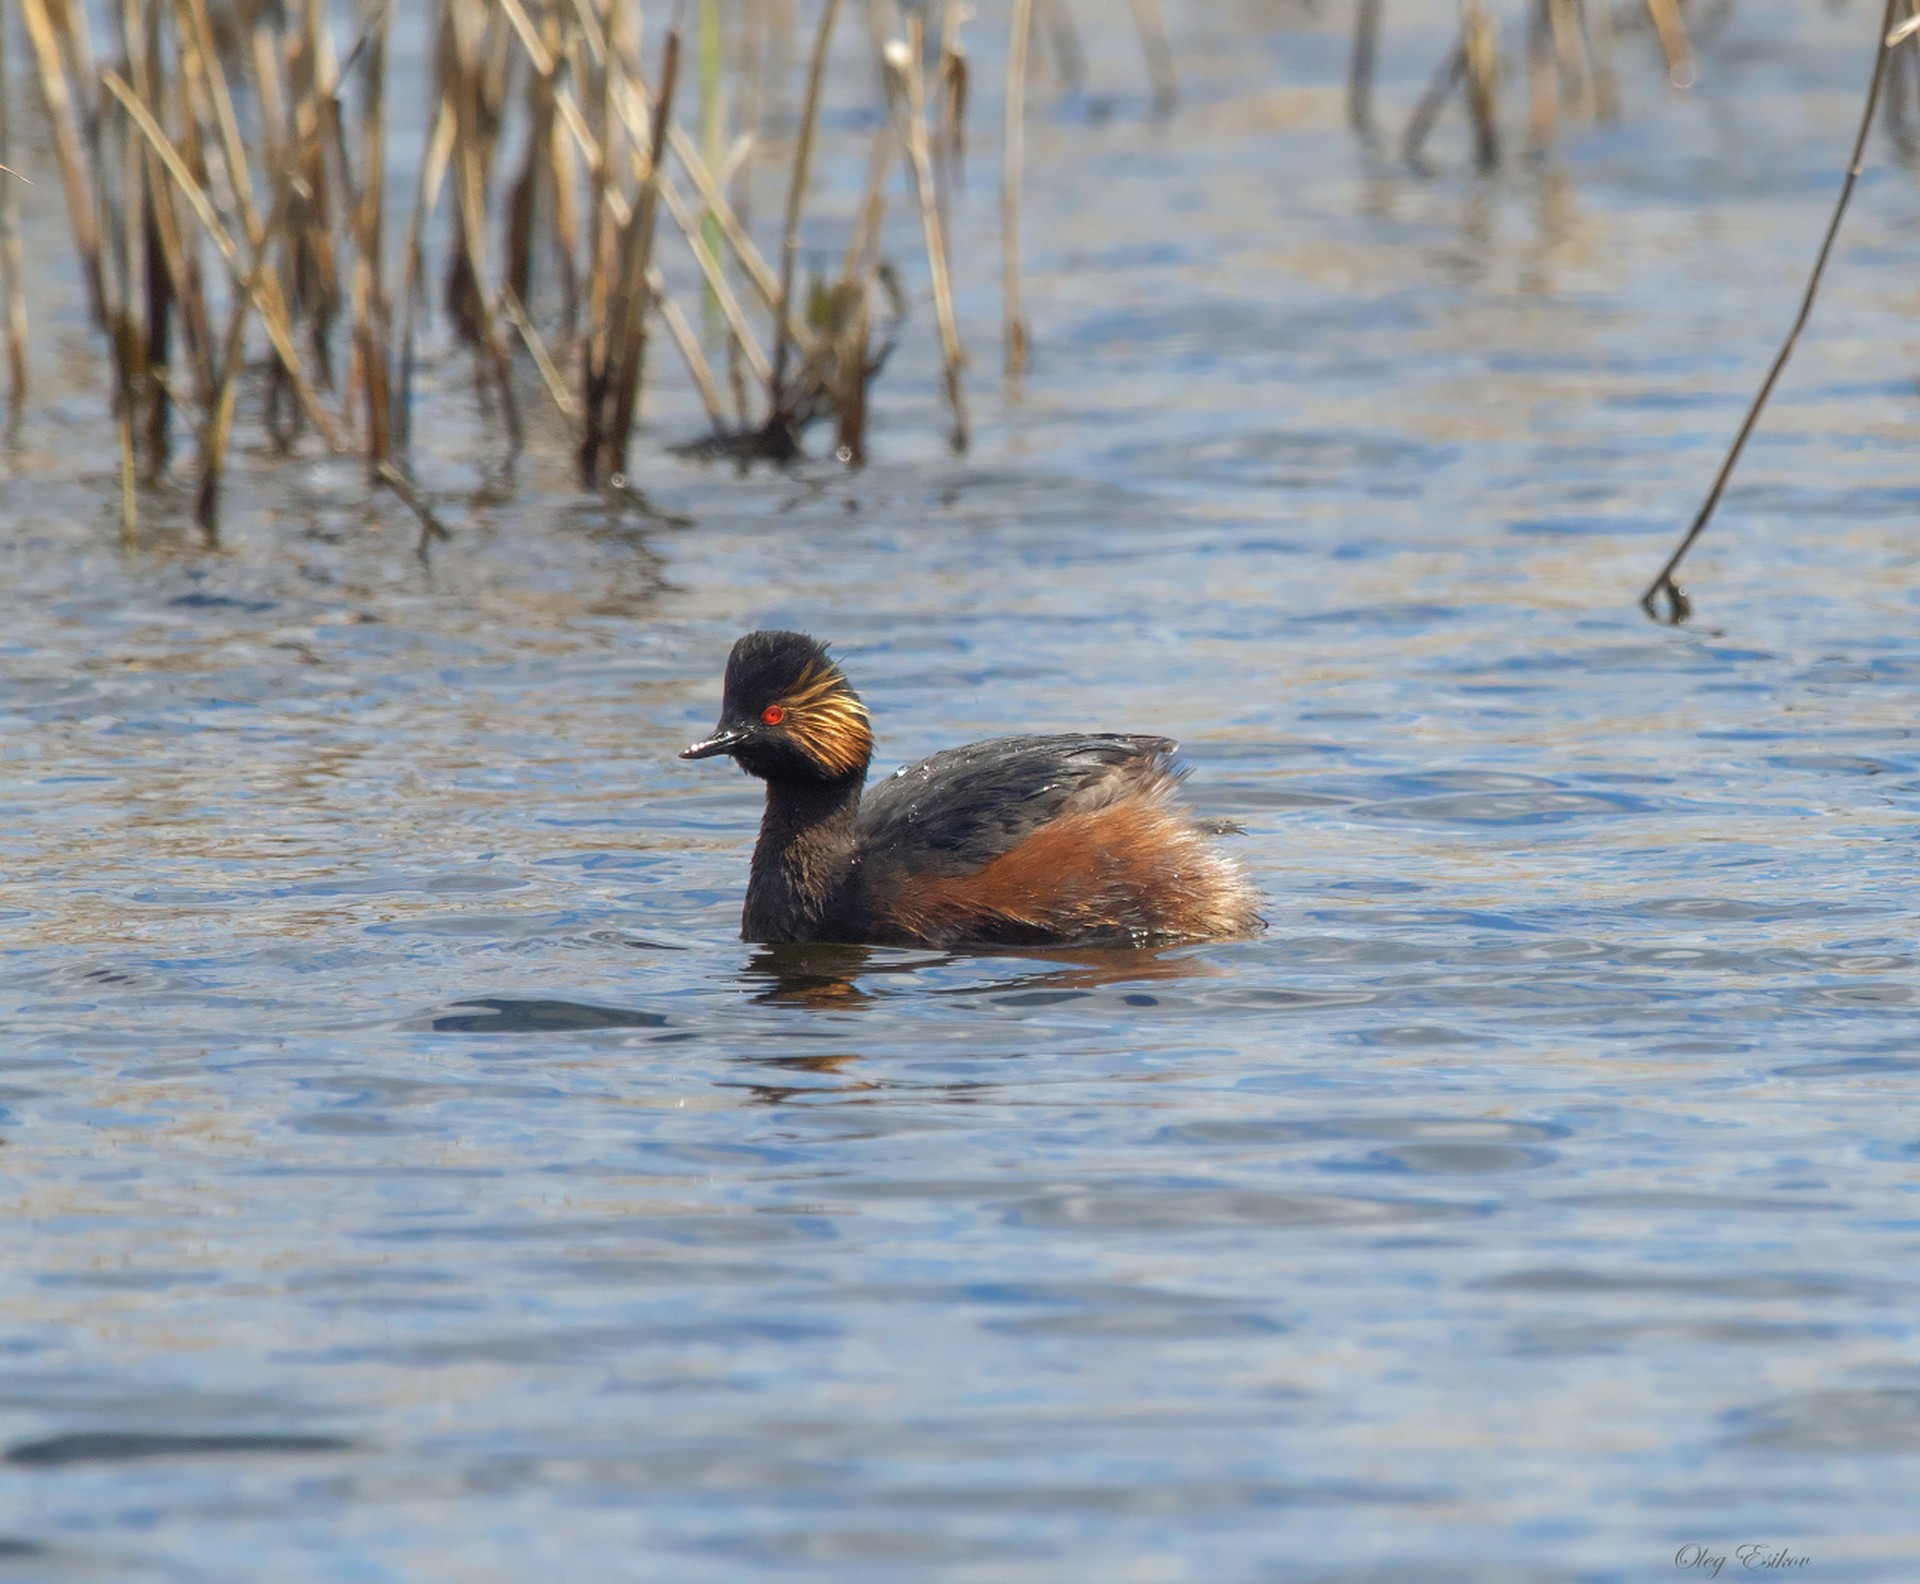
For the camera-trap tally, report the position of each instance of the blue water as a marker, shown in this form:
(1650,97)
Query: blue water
(408,1175)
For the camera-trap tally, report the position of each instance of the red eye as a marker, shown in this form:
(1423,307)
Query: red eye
(773,714)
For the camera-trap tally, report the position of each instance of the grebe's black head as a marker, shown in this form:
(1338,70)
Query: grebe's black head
(788,713)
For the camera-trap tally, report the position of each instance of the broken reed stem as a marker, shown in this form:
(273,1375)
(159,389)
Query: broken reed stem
(433,172)
(796,201)
(166,280)
(1598,15)
(1366,49)
(372,315)
(550,374)
(15,304)
(713,125)
(1483,81)
(1570,54)
(613,398)
(75,168)
(1421,123)
(1012,157)
(948,141)
(1069,54)
(1543,79)
(698,369)
(1673,41)
(720,295)
(1159,53)
(1678,606)
(951,355)
(431,527)
(866,227)
(765,284)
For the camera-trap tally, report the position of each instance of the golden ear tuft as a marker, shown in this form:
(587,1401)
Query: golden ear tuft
(830,722)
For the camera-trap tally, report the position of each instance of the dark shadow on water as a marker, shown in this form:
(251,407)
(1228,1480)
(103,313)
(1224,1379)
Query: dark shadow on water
(510,1016)
(120,1446)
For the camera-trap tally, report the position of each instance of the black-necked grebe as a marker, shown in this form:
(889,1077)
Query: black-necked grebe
(1016,841)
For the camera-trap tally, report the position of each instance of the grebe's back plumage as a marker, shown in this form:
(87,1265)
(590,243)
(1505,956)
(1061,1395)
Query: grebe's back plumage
(1014,841)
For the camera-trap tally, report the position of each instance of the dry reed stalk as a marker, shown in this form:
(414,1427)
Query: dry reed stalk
(1420,124)
(1908,12)
(1360,66)
(796,202)
(712,112)
(719,289)
(1674,44)
(478,72)
(201,69)
(1571,55)
(550,374)
(853,371)
(600,146)
(461,74)
(186,280)
(76,168)
(129,373)
(1886,40)
(1012,158)
(160,262)
(1543,79)
(566,233)
(949,141)
(129,496)
(863,240)
(1893,100)
(750,95)
(765,283)
(15,304)
(433,172)
(952,355)
(549,159)
(1598,17)
(1069,54)
(613,381)
(314,293)
(218,426)
(1480,41)
(523,195)
(688,344)
(202,129)
(629,102)
(372,314)
(315,119)
(1153,41)
(272,311)
(431,527)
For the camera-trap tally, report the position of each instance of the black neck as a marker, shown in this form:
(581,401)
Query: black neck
(802,860)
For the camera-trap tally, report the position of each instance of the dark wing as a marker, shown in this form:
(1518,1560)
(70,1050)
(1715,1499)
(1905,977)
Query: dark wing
(963,808)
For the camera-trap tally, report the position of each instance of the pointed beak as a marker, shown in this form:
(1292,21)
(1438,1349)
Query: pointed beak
(723,740)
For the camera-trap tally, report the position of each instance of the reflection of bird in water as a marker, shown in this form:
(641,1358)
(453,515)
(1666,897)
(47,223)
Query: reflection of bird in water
(827,976)
(1017,841)
(815,975)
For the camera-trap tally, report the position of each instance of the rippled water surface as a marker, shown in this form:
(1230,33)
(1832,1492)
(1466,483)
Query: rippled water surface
(409,1176)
